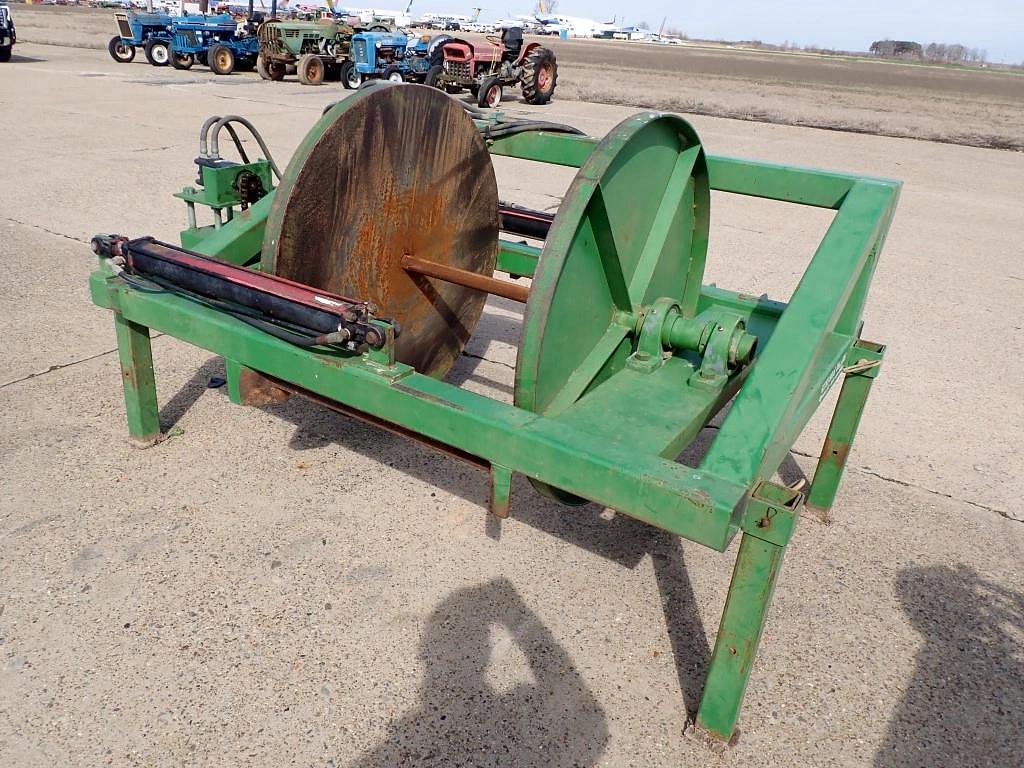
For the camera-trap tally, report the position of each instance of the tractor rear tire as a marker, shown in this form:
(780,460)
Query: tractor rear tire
(158,52)
(120,51)
(351,77)
(182,60)
(490,93)
(311,69)
(222,60)
(432,75)
(540,74)
(270,69)
(435,48)
(5,53)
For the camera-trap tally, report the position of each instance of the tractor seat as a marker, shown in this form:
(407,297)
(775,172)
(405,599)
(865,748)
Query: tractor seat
(512,39)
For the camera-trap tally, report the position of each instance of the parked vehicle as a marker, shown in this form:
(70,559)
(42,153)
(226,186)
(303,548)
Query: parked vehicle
(317,49)
(8,37)
(392,56)
(149,31)
(214,41)
(486,70)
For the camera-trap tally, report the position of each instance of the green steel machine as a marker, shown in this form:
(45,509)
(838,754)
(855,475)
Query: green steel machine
(356,276)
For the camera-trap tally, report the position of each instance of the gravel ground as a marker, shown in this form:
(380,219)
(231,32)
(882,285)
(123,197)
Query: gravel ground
(283,586)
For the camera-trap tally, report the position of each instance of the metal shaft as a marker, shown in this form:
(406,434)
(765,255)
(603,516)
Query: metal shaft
(465,278)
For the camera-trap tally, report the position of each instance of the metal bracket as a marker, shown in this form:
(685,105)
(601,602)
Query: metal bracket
(864,359)
(772,513)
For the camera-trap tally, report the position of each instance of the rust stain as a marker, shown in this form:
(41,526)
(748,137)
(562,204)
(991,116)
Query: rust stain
(405,172)
(835,452)
(257,390)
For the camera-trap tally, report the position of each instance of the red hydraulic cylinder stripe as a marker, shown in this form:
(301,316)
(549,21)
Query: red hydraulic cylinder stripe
(250,278)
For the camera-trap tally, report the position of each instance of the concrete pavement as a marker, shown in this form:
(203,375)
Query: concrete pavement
(283,585)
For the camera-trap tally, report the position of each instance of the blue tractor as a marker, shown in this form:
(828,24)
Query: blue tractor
(215,41)
(390,56)
(149,31)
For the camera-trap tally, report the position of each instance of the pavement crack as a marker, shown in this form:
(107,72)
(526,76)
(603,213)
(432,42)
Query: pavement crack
(61,366)
(488,360)
(46,230)
(926,489)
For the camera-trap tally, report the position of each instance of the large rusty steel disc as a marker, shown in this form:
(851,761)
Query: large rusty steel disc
(392,171)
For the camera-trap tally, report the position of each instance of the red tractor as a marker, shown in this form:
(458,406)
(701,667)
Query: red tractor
(485,71)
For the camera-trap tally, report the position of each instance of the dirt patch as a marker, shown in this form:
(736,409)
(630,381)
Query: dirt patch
(972,107)
(982,108)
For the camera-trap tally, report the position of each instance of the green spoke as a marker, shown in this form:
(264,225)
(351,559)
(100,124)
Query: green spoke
(604,238)
(661,227)
(587,371)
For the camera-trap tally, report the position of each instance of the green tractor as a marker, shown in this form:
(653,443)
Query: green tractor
(317,49)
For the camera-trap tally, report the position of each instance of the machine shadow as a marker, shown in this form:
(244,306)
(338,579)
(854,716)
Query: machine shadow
(16,59)
(617,538)
(183,400)
(542,716)
(964,702)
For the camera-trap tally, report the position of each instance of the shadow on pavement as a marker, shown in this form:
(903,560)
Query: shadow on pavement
(965,701)
(548,719)
(620,539)
(16,59)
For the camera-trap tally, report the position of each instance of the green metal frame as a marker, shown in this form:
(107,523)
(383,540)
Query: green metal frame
(805,347)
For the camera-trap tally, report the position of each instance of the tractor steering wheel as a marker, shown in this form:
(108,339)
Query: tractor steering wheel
(494,40)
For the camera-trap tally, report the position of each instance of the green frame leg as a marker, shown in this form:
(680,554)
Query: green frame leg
(501,490)
(135,352)
(769,522)
(233,374)
(863,363)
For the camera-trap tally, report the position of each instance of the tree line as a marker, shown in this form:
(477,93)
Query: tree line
(944,53)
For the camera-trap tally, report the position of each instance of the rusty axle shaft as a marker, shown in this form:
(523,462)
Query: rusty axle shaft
(466,278)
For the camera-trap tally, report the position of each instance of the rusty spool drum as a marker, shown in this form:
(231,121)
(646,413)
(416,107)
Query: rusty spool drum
(390,172)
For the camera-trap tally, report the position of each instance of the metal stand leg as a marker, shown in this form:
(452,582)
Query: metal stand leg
(233,372)
(746,608)
(136,355)
(769,523)
(501,490)
(849,408)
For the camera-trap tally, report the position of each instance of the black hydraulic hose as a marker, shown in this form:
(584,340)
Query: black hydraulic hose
(500,130)
(238,142)
(301,337)
(527,222)
(213,286)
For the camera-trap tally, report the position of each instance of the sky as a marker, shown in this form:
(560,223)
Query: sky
(995,25)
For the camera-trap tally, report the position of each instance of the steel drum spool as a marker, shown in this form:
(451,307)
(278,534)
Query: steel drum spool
(402,170)
(392,172)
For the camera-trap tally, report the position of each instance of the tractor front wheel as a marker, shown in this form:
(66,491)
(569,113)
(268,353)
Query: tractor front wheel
(539,76)
(394,75)
(270,69)
(157,53)
(351,77)
(222,60)
(311,69)
(490,93)
(120,51)
(182,60)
